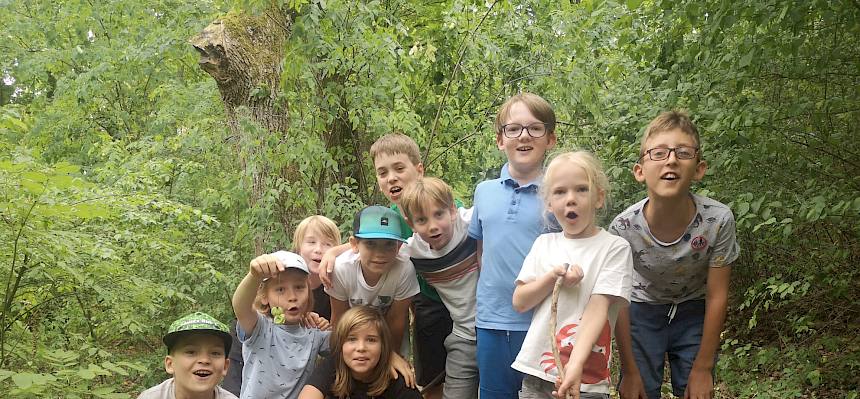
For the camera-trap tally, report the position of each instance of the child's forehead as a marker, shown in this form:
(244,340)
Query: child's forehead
(289,276)
(364,329)
(671,137)
(385,159)
(315,232)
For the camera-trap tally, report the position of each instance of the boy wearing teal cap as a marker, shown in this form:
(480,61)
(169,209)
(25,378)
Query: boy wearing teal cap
(197,346)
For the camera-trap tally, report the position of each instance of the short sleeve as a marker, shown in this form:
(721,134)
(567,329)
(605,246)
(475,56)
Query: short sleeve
(323,376)
(616,275)
(339,276)
(397,389)
(531,265)
(408,285)
(726,249)
(475,228)
(250,336)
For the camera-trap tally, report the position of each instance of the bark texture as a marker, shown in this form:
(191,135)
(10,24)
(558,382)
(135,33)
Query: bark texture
(244,54)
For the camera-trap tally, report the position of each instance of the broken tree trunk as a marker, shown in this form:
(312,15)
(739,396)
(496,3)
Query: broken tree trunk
(244,54)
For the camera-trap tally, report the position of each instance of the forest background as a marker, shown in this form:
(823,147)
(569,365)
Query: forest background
(135,188)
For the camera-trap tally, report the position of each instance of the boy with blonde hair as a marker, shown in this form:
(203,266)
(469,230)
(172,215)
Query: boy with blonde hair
(507,218)
(446,257)
(683,246)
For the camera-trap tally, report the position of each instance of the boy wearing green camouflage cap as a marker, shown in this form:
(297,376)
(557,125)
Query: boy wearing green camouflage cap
(197,346)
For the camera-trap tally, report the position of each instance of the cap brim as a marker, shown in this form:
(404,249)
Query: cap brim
(381,236)
(171,339)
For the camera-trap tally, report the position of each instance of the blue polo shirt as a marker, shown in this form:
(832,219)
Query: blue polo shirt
(508,218)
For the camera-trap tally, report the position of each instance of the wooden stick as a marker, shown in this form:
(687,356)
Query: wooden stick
(553,325)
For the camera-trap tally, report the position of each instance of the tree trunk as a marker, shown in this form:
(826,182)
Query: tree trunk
(243,53)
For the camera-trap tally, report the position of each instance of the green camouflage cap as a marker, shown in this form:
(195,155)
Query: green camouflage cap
(197,322)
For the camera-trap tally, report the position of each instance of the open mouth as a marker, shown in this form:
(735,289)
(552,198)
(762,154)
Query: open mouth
(395,190)
(202,373)
(669,176)
(525,148)
(571,215)
(293,309)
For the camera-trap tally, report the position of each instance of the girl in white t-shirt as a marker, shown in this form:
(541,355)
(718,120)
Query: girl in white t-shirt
(596,269)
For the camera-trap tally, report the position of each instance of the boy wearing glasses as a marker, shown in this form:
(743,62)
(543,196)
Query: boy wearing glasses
(506,219)
(683,247)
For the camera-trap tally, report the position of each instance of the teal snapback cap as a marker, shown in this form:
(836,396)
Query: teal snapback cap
(378,222)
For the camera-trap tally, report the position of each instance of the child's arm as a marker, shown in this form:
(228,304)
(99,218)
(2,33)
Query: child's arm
(243,299)
(396,319)
(311,392)
(327,263)
(701,381)
(631,386)
(530,294)
(338,308)
(592,323)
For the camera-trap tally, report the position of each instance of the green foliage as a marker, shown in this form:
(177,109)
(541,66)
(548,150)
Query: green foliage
(121,190)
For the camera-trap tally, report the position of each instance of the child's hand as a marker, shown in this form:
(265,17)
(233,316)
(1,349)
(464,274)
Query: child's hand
(266,265)
(632,387)
(398,364)
(569,386)
(572,274)
(313,320)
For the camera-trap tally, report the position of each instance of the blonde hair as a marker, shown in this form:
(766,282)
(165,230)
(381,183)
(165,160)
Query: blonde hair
(355,318)
(670,120)
(396,143)
(265,308)
(427,188)
(597,180)
(539,107)
(319,223)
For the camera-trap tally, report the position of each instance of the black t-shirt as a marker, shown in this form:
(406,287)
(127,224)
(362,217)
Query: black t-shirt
(322,303)
(324,375)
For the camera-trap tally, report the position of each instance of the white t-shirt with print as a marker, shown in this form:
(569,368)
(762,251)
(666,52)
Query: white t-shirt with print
(349,285)
(607,267)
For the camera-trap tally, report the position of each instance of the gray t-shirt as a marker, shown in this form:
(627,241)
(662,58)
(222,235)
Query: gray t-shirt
(674,272)
(279,358)
(167,390)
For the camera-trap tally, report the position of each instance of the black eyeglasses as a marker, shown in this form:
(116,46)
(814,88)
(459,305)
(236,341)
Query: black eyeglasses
(662,153)
(514,130)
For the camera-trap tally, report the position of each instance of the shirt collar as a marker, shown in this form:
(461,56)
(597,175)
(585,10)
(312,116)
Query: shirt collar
(507,180)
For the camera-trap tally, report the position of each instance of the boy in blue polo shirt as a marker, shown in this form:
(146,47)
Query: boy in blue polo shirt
(507,218)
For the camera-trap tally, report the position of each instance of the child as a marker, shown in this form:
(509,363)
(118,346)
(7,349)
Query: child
(684,245)
(313,236)
(358,368)
(506,219)
(373,273)
(596,285)
(279,358)
(397,164)
(197,347)
(447,258)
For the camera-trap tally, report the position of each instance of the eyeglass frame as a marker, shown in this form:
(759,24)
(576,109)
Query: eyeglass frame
(669,153)
(503,132)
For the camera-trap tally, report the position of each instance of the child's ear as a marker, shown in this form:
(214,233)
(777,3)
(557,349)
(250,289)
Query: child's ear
(638,174)
(226,365)
(551,140)
(601,198)
(420,168)
(500,141)
(353,242)
(701,168)
(168,364)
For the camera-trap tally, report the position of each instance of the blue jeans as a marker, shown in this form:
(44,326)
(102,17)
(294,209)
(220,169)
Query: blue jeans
(658,330)
(497,350)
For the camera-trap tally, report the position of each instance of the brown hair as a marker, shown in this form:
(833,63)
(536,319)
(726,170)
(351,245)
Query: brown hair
(396,143)
(319,223)
(670,120)
(597,180)
(428,188)
(539,107)
(354,318)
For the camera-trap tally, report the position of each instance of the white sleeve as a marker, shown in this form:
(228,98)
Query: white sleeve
(532,264)
(616,271)
(407,287)
(340,276)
